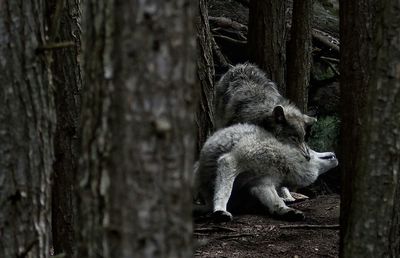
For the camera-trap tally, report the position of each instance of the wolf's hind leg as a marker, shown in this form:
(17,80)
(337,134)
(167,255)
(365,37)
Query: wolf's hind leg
(226,174)
(268,197)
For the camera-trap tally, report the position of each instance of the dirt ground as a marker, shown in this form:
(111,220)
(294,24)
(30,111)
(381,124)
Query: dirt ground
(261,236)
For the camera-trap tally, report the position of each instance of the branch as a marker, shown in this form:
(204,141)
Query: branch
(51,46)
(234,236)
(224,22)
(217,51)
(214,229)
(234,41)
(236,34)
(308,226)
(335,60)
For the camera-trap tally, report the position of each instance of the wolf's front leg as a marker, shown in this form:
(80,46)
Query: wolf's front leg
(268,197)
(284,193)
(226,174)
(289,197)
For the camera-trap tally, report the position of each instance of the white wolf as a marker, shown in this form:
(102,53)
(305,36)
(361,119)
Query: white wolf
(266,163)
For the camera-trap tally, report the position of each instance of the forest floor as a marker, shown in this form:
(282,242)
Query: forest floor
(261,236)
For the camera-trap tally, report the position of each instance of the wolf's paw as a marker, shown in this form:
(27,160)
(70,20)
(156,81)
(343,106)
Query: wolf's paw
(293,215)
(294,197)
(299,197)
(288,199)
(222,216)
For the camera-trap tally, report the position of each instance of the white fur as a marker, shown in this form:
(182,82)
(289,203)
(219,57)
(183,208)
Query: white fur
(245,148)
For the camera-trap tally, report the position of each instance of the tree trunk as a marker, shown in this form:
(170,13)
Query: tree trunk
(267,38)
(138,129)
(356,34)
(92,181)
(205,72)
(371,213)
(67,83)
(299,54)
(27,124)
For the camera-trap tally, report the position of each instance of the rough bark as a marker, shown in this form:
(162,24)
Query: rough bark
(205,73)
(267,38)
(371,197)
(97,28)
(356,35)
(27,124)
(299,54)
(64,28)
(138,129)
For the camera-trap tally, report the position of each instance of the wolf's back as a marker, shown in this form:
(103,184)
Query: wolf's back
(223,141)
(242,73)
(245,94)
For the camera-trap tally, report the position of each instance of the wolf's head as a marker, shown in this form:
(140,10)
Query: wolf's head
(307,169)
(323,161)
(290,125)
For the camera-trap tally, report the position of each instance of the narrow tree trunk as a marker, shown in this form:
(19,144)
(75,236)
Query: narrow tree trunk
(205,72)
(299,54)
(138,129)
(372,222)
(267,38)
(356,35)
(27,124)
(67,83)
(93,178)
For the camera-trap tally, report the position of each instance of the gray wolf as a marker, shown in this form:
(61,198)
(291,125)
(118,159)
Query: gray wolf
(244,94)
(261,163)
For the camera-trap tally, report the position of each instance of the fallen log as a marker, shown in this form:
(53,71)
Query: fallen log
(224,22)
(220,24)
(327,40)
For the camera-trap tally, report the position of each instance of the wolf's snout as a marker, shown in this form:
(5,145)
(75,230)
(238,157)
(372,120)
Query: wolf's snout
(330,156)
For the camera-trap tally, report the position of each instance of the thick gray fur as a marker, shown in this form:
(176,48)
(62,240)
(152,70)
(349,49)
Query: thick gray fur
(260,163)
(244,94)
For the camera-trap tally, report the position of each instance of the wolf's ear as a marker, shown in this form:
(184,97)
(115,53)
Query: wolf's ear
(309,120)
(279,114)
